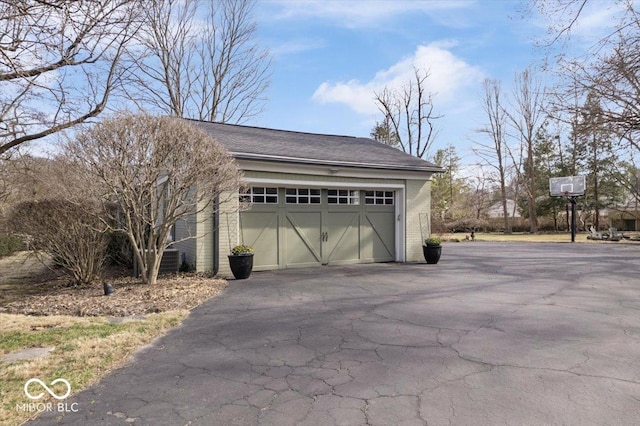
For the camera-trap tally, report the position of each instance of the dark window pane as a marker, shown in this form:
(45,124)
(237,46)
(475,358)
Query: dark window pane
(303,191)
(379,201)
(291,191)
(388,201)
(388,194)
(369,193)
(315,192)
(258,199)
(379,194)
(291,200)
(272,190)
(343,192)
(272,200)
(368,201)
(315,200)
(332,192)
(332,200)
(257,190)
(303,200)
(343,200)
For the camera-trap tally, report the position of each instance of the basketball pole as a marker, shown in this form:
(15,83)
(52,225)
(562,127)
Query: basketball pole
(572,200)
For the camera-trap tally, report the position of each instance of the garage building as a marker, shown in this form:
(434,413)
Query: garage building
(313,200)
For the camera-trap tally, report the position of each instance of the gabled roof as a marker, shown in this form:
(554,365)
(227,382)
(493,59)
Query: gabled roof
(256,143)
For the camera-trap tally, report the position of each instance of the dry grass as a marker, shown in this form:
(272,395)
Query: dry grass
(85,350)
(560,237)
(518,237)
(39,309)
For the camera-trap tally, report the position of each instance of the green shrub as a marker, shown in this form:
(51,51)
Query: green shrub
(241,249)
(9,244)
(432,241)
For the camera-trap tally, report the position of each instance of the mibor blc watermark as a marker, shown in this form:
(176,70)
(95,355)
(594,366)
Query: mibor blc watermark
(38,407)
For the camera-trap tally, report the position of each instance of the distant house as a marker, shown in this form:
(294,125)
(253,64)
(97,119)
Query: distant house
(315,200)
(496,210)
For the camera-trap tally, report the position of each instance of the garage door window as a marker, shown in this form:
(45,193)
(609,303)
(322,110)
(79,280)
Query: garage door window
(302,196)
(379,197)
(343,196)
(260,195)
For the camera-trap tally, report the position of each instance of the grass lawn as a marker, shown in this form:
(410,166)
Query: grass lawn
(90,334)
(559,237)
(85,350)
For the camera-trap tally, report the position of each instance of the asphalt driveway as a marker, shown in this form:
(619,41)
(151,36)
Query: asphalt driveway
(513,334)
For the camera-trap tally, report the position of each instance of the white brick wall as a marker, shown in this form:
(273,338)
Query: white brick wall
(418,205)
(228,231)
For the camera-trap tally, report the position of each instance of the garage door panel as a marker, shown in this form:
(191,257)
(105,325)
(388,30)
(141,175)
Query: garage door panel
(378,242)
(342,243)
(260,229)
(309,227)
(303,238)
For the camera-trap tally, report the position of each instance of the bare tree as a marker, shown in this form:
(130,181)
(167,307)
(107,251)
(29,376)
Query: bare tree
(615,79)
(495,153)
(59,63)
(208,69)
(609,70)
(479,196)
(526,117)
(409,112)
(157,171)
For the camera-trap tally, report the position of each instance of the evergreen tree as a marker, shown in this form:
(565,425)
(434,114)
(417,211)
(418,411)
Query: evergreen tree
(598,158)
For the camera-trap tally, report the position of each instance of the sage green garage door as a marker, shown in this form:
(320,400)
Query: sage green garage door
(299,227)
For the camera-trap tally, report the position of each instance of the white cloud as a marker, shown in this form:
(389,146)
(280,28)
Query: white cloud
(449,76)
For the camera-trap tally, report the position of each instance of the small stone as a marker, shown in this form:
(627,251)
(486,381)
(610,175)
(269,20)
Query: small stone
(27,354)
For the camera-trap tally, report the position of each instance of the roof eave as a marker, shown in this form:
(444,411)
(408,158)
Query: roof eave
(311,161)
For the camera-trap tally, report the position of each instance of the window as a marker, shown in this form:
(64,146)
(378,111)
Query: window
(379,197)
(302,196)
(343,196)
(260,195)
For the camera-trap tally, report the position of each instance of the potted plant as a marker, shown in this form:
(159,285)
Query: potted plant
(241,261)
(432,249)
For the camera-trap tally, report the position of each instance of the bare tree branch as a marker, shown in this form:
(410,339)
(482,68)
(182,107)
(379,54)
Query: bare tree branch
(208,69)
(409,112)
(59,63)
(157,171)
(495,153)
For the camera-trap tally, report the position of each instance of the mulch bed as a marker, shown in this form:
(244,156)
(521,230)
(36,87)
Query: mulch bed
(131,297)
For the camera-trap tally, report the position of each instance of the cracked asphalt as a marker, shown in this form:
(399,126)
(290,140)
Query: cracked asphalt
(495,334)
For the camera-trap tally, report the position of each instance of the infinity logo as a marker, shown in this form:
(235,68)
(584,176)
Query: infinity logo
(51,392)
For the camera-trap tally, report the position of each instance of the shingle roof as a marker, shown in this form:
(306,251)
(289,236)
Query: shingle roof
(256,143)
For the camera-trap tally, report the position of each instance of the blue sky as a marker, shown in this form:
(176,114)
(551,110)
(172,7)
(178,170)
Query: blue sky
(330,56)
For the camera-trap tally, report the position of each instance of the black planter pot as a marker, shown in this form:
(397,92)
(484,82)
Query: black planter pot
(432,254)
(241,265)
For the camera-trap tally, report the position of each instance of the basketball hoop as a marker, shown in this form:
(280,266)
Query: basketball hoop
(570,187)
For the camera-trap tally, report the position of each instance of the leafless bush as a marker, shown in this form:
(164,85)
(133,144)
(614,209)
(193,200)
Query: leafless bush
(151,172)
(72,236)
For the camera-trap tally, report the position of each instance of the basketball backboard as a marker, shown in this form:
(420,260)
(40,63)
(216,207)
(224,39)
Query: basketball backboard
(568,186)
